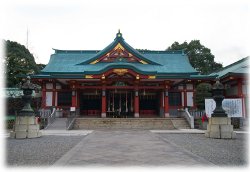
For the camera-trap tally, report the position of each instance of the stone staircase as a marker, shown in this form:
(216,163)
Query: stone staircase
(180,123)
(131,123)
(58,124)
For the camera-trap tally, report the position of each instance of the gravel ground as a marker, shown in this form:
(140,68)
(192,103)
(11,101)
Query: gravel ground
(42,151)
(222,152)
(47,150)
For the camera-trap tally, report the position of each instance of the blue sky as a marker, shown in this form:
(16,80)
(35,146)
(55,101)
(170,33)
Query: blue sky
(222,25)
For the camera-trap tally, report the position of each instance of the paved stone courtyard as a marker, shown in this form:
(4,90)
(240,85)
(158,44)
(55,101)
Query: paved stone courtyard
(126,148)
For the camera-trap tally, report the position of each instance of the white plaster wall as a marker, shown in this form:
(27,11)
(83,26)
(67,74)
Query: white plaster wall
(190,101)
(49,98)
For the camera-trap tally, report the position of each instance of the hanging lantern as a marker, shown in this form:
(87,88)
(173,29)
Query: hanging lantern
(103,76)
(137,77)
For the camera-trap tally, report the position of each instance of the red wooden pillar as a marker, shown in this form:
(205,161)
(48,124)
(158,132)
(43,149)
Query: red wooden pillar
(166,104)
(136,104)
(54,94)
(43,95)
(103,104)
(185,96)
(240,95)
(74,99)
(162,104)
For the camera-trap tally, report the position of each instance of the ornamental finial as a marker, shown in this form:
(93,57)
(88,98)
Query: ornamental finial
(119,35)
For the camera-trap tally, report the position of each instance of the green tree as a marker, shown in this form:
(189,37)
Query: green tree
(41,66)
(18,61)
(200,56)
(203,91)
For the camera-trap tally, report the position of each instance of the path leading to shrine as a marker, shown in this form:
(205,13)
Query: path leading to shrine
(128,148)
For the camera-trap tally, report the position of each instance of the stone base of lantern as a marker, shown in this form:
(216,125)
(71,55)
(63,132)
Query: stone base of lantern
(103,115)
(220,128)
(26,127)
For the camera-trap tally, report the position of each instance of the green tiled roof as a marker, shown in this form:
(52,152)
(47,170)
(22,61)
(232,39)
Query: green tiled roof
(240,67)
(162,63)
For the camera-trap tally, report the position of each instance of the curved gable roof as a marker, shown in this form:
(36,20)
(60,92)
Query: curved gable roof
(81,61)
(118,41)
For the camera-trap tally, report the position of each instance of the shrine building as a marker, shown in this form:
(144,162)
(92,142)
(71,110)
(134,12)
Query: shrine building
(119,81)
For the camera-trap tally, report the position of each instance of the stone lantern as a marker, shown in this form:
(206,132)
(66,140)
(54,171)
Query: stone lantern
(219,125)
(26,125)
(217,92)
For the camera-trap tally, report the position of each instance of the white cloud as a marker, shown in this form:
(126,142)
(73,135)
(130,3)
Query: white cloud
(219,25)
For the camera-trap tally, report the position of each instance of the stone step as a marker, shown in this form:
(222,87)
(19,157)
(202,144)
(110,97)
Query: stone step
(131,123)
(180,123)
(58,124)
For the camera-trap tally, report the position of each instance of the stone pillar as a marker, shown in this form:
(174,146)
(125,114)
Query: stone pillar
(103,104)
(136,104)
(219,125)
(166,105)
(220,128)
(26,125)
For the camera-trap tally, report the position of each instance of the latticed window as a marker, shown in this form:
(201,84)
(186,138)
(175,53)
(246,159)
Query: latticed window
(174,99)
(64,98)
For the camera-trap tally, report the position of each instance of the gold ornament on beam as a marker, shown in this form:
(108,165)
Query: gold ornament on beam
(151,77)
(120,72)
(119,46)
(88,76)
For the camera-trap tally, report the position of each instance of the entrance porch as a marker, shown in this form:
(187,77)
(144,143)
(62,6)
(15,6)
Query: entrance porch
(120,103)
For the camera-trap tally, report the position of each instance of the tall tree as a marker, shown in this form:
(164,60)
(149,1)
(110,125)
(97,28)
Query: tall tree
(41,66)
(200,56)
(203,91)
(18,60)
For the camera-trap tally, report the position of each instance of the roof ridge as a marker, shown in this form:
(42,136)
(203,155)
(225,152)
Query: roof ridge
(141,51)
(70,51)
(162,51)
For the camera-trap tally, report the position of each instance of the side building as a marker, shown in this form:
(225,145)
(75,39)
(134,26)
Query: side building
(119,81)
(235,79)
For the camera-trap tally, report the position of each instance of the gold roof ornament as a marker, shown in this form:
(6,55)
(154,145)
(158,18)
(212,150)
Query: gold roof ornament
(94,62)
(143,62)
